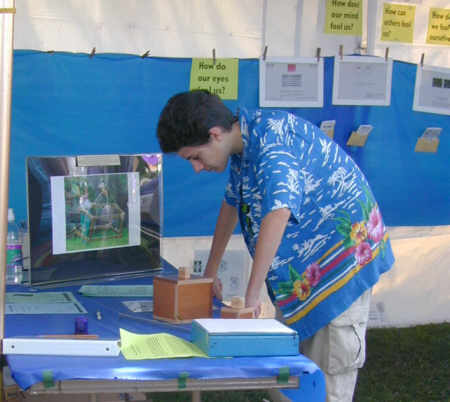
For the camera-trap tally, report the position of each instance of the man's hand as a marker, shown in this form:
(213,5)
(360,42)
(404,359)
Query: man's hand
(255,303)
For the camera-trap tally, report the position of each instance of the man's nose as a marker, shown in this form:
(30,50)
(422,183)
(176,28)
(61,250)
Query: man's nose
(197,166)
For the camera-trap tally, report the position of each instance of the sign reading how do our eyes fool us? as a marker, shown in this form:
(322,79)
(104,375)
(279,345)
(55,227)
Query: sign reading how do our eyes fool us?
(219,78)
(439,26)
(344,17)
(398,23)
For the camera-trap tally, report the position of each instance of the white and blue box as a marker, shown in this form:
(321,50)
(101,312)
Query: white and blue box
(220,337)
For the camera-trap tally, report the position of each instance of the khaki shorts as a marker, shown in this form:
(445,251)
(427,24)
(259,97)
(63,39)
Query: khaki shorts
(341,345)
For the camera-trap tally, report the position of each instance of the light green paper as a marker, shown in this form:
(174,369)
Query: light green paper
(219,78)
(156,346)
(44,297)
(117,290)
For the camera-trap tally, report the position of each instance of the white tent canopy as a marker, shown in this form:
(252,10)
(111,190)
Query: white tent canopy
(235,28)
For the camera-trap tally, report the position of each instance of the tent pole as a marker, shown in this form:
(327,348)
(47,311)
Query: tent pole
(6,57)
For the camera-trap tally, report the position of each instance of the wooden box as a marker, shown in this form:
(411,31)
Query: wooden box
(180,300)
(237,309)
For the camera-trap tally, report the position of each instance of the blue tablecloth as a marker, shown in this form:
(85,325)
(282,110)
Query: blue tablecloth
(29,369)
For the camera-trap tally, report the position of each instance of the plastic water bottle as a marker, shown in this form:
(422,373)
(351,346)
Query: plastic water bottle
(13,251)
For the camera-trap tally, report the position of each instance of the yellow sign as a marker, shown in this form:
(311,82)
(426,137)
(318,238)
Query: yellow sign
(220,78)
(398,23)
(344,17)
(439,26)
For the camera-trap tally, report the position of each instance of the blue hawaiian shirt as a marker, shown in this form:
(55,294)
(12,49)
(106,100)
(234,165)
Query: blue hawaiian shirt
(335,245)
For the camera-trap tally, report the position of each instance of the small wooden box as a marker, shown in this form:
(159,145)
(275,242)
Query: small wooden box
(237,309)
(182,300)
(230,312)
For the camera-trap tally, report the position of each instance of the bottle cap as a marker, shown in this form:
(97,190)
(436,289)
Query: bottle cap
(11,216)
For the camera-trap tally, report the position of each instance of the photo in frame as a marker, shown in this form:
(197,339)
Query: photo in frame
(291,82)
(432,90)
(362,80)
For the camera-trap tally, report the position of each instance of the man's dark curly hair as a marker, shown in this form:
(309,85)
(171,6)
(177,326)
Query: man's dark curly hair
(187,118)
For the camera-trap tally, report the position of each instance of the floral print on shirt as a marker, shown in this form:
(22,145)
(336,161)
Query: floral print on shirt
(335,238)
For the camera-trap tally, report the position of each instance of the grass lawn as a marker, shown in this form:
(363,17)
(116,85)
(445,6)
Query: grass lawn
(406,364)
(402,365)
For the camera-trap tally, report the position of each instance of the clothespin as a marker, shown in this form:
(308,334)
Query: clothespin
(91,55)
(386,54)
(318,54)
(214,56)
(264,53)
(7,10)
(341,51)
(421,59)
(145,54)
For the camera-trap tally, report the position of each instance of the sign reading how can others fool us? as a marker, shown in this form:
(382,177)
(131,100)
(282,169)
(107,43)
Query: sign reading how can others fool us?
(220,77)
(398,23)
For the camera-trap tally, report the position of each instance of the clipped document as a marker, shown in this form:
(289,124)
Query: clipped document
(429,140)
(359,137)
(327,126)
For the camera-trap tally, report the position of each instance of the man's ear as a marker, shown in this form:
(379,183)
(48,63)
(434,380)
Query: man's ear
(216,133)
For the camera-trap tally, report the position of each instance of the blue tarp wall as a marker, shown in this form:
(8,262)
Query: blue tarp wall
(72,104)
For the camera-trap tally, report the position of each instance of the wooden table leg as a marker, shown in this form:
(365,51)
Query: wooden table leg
(196,396)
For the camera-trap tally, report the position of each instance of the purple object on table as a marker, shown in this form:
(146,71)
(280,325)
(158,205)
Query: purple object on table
(81,325)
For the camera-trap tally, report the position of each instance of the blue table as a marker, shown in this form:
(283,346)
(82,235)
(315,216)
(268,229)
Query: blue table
(115,374)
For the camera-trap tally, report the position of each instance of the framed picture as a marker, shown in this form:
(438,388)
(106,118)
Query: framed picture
(362,80)
(93,217)
(291,82)
(432,90)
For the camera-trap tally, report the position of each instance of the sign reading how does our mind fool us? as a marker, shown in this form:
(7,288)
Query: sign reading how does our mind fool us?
(219,77)
(344,17)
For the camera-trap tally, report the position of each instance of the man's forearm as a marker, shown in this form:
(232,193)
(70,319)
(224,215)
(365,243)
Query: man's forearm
(226,222)
(269,239)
